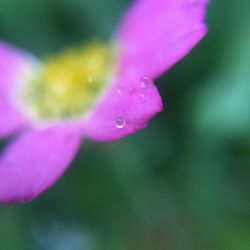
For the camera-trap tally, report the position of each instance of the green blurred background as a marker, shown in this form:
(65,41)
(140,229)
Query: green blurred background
(181,184)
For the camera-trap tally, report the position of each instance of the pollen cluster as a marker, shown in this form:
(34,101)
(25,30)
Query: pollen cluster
(68,84)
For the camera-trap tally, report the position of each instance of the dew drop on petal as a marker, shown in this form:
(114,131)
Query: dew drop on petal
(120,122)
(145,82)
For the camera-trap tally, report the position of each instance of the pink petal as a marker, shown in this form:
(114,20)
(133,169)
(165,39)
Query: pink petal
(13,62)
(156,34)
(11,120)
(35,160)
(153,36)
(126,108)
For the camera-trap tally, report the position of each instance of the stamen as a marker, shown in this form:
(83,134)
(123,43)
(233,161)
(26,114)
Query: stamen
(70,83)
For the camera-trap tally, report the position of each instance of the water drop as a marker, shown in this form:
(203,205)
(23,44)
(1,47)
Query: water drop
(145,82)
(120,122)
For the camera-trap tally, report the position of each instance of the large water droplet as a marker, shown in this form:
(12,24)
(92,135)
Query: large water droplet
(120,122)
(145,82)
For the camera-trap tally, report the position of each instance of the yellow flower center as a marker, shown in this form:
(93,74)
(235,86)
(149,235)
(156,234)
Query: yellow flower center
(69,84)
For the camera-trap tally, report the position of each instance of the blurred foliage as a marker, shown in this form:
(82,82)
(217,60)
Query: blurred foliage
(181,184)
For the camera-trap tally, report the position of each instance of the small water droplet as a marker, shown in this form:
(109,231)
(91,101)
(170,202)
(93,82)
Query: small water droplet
(145,82)
(120,122)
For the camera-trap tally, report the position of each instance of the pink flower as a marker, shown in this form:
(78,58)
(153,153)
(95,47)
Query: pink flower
(51,116)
